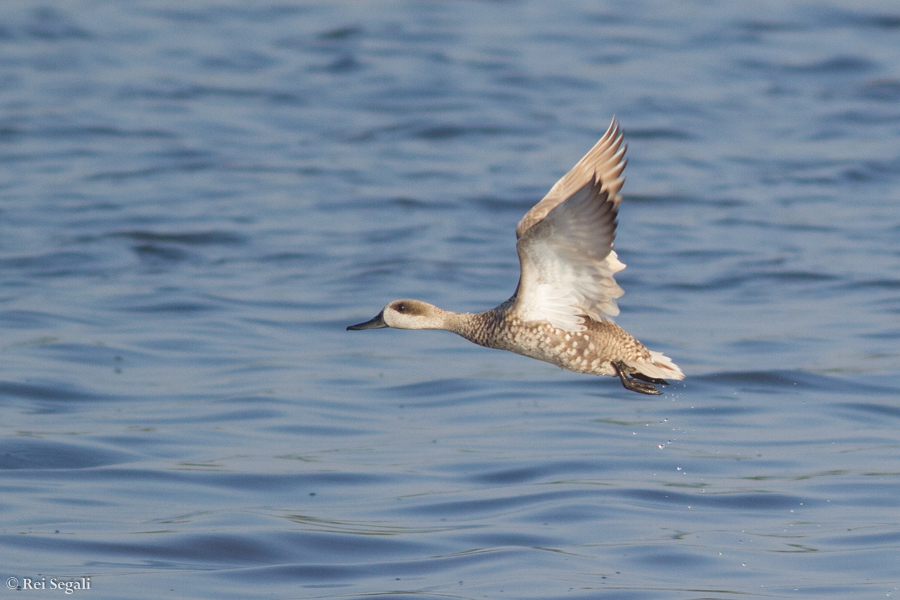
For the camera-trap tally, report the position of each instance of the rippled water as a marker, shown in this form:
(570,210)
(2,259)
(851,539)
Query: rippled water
(197,198)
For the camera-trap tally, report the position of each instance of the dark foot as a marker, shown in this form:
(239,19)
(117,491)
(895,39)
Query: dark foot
(631,382)
(649,379)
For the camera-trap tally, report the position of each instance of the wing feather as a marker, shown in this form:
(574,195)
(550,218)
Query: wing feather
(606,161)
(565,242)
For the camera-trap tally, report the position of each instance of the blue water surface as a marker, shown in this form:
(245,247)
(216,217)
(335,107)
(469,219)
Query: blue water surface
(197,198)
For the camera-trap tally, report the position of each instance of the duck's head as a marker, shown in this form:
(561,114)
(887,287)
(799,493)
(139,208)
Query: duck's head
(405,314)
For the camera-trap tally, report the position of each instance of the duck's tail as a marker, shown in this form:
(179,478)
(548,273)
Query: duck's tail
(659,366)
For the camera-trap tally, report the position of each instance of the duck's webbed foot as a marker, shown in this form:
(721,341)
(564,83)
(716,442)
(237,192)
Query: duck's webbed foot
(649,379)
(638,382)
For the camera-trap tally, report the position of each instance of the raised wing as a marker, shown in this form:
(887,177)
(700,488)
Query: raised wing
(605,161)
(566,242)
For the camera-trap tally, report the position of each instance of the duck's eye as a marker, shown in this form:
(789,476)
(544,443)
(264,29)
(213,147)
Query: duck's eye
(401,307)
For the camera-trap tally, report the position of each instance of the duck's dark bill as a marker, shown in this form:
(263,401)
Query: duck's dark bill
(376,323)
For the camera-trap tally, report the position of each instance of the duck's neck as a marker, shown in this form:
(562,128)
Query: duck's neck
(474,327)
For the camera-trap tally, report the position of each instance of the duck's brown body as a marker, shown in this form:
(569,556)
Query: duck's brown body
(603,348)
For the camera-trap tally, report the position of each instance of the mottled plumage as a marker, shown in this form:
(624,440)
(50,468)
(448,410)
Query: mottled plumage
(567,290)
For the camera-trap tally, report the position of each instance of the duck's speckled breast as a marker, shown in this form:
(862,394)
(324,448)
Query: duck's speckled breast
(590,351)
